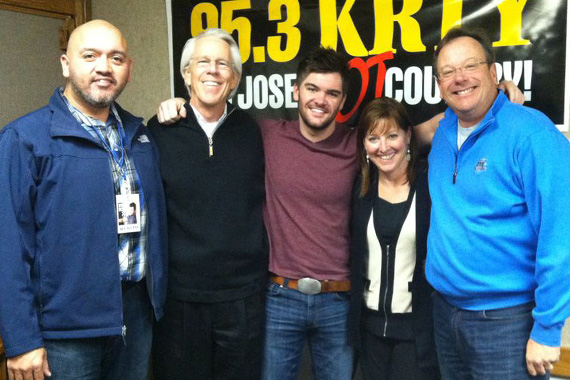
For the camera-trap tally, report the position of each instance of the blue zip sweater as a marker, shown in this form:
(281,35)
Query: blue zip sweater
(58,231)
(500,211)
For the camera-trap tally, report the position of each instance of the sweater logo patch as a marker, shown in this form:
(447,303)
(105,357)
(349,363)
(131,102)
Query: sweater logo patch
(143,139)
(481,165)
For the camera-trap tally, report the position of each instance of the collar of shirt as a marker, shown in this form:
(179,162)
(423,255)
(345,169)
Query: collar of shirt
(209,127)
(463,133)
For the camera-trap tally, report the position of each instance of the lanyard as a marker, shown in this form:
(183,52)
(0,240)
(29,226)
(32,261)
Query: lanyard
(117,154)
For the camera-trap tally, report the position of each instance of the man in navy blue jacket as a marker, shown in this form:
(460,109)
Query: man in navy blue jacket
(79,288)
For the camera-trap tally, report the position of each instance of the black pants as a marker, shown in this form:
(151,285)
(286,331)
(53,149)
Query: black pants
(391,359)
(210,341)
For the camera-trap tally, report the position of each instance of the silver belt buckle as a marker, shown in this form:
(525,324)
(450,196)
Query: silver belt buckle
(309,286)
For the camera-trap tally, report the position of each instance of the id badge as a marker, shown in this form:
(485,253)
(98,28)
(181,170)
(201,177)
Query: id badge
(128,213)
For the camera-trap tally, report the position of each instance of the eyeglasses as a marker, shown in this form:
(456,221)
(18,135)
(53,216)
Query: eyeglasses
(469,67)
(204,63)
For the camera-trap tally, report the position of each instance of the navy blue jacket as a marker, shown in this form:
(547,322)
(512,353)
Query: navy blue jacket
(58,232)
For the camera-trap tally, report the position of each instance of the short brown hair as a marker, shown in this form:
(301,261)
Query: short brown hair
(477,34)
(323,61)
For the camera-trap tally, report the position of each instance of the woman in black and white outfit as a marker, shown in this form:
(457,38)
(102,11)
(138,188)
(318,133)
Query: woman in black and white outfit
(391,319)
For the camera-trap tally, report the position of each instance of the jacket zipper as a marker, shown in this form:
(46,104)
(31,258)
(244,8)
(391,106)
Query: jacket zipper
(211,139)
(454,181)
(124,334)
(386,290)
(149,282)
(455,170)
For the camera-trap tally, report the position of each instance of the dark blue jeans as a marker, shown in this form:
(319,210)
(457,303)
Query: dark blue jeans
(110,357)
(294,318)
(482,345)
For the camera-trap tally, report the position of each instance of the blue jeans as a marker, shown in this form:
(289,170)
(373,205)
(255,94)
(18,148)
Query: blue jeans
(294,318)
(486,344)
(108,357)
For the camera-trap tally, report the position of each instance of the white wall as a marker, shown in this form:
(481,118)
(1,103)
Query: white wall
(29,63)
(144,25)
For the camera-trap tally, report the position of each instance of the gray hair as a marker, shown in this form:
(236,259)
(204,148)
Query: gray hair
(221,34)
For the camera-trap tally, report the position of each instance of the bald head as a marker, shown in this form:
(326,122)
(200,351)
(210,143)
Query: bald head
(92,29)
(97,67)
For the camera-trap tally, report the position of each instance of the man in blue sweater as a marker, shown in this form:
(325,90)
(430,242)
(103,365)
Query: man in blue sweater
(498,251)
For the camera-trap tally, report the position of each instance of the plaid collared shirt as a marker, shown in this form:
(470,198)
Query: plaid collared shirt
(132,246)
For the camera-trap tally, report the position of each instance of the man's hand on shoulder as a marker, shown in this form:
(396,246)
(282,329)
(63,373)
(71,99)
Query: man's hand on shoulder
(540,358)
(30,365)
(514,94)
(171,110)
